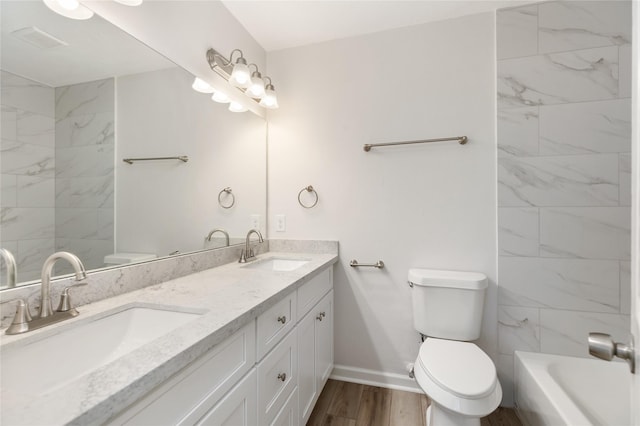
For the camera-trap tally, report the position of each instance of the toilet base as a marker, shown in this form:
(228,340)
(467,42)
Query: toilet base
(440,416)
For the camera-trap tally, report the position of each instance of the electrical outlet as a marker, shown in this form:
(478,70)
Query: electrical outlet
(281,223)
(255,221)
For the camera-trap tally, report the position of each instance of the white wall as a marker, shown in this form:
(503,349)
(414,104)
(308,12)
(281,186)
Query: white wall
(428,206)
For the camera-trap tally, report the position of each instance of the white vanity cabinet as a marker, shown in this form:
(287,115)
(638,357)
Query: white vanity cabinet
(191,393)
(315,354)
(270,372)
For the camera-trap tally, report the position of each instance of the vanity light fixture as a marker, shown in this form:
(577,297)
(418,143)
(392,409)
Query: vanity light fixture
(238,74)
(69,9)
(256,87)
(269,100)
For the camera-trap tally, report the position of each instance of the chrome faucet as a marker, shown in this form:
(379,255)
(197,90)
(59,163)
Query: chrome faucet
(10,264)
(226,235)
(22,321)
(45,299)
(247,255)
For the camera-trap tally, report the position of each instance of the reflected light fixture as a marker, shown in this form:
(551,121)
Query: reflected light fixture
(69,9)
(237,107)
(238,74)
(74,10)
(129,2)
(201,86)
(220,97)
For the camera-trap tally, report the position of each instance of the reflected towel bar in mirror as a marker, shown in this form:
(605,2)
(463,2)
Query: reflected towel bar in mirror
(461,140)
(182,158)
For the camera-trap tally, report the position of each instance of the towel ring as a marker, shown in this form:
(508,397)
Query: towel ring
(308,189)
(227,190)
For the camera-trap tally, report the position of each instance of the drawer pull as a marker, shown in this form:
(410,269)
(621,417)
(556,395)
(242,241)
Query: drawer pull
(282,319)
(320,316)
(282,377)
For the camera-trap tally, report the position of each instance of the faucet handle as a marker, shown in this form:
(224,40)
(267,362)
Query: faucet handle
(21,320)
(65,298)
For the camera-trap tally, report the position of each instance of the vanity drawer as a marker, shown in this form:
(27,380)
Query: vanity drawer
(275,323)
(310,293)
(237,408)
(188,395)
(277,378)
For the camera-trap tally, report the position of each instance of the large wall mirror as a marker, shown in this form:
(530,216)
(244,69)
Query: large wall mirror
(78,97)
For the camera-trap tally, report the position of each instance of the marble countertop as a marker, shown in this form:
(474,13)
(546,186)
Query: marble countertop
(230,295)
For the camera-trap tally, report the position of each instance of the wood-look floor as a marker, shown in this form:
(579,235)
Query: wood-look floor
(351,404)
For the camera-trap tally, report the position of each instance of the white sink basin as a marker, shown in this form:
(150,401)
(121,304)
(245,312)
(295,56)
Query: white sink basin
(278,264)
(43,364)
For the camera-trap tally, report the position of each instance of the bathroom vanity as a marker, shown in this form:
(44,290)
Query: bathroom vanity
(236,344)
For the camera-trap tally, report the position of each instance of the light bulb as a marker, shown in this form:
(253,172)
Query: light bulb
(220,97)
(256,88)
(201,86)
(237,107)
(240,76)
(69,9)
(269,100)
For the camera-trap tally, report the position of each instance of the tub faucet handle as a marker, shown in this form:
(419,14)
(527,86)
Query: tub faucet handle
(602,346)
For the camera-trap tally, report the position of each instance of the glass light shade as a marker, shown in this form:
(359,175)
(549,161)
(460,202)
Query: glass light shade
(220,97)
(69,9)
(130,2)
(269,100)
(237,107)
(256,89)
(240,76)
(201,86)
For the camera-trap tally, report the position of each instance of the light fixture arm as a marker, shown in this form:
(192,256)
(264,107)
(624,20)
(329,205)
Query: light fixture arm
(215,59)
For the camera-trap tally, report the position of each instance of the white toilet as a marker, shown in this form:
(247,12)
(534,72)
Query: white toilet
(458,377)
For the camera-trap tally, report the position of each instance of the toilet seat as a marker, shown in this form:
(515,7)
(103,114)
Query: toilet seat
(459,376)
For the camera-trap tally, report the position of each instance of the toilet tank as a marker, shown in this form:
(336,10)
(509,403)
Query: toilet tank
(448,304)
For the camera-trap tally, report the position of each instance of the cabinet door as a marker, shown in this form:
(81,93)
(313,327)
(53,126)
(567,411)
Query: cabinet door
(324,339)
(238,407)
(288,416)
(307,383)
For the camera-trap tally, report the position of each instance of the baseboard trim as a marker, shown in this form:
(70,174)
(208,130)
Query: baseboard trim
(375,378)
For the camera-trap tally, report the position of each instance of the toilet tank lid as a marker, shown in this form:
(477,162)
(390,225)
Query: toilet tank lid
(451,279)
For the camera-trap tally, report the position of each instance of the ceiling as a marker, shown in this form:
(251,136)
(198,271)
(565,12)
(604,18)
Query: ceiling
(93,49)
(279,25)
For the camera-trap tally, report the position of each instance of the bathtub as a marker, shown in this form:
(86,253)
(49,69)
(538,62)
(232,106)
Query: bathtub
(562,390)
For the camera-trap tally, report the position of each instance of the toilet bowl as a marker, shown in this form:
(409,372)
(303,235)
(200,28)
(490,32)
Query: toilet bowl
(458,377)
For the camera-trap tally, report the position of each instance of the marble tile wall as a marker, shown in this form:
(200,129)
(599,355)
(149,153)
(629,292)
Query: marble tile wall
(84,153)
(27,173)
(564,138)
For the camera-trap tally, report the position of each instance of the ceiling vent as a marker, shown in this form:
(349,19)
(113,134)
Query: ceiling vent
(38,38)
